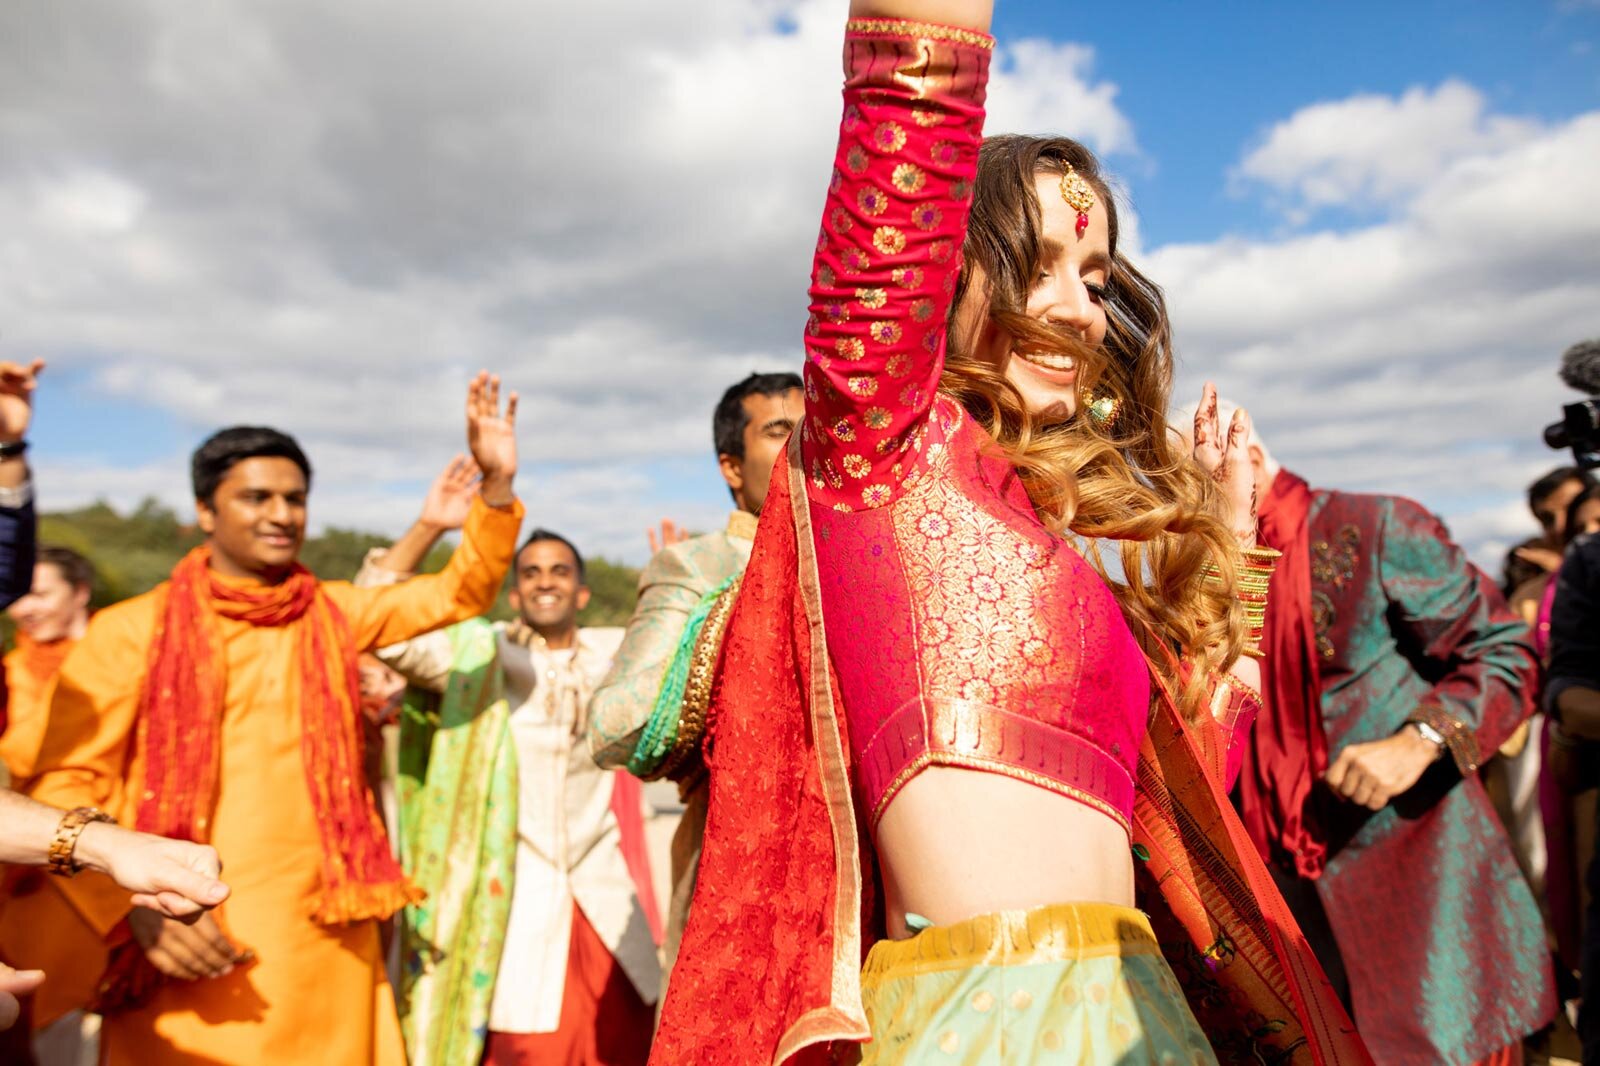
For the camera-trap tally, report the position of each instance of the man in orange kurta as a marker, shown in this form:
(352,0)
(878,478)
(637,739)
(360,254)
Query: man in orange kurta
(267,983)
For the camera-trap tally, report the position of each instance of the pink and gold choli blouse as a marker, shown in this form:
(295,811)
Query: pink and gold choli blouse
(963,633)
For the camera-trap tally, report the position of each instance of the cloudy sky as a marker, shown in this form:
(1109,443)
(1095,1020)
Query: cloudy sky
(1378,225)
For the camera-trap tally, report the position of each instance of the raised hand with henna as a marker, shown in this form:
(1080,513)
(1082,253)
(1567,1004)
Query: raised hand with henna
(1226,457)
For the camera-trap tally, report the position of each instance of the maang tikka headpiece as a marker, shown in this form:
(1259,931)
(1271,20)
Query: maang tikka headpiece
(1079,196)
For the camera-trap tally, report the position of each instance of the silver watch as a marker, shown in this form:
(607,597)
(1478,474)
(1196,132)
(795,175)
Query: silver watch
(1430,734)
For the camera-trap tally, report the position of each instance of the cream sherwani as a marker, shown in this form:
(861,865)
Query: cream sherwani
(568,842)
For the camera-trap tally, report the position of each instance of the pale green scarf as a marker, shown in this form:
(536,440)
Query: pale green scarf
(458,837)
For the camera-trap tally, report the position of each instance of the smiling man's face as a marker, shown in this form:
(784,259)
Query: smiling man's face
(256,520)
(548,593)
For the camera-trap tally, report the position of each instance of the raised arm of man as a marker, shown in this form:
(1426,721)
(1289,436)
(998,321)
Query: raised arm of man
(468,584)
(17,532)
(425,660)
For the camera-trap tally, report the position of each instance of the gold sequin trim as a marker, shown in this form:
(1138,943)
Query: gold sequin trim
(1458,736)
(697,689)
(929,30)
(974,762)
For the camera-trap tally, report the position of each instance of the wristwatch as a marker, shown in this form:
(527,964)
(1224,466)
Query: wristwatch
(60,858)
(1430,734)
(10,449)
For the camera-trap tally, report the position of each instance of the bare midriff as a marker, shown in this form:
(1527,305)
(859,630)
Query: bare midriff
(956,843)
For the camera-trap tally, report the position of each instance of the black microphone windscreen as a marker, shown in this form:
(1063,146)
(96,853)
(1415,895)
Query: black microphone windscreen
(1580,366)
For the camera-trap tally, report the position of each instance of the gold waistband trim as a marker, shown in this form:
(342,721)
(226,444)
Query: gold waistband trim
(1056,932)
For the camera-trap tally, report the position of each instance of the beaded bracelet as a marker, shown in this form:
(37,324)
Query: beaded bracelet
(60,856)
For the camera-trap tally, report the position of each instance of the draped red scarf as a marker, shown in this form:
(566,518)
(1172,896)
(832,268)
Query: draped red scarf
(1288,750)
(787,895)
(180,719)
(180,727)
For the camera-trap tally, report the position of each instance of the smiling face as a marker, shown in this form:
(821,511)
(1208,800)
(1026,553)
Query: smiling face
(256,519)
(54,607)
(1066,293)
(548,593)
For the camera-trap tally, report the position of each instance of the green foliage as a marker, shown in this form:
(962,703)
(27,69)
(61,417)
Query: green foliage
(133,553)
(613,588)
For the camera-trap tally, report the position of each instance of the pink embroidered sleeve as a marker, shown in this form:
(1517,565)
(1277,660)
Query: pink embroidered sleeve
(889,253)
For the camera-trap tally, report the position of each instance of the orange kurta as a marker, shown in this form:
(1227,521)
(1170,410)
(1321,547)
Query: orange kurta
(38,927)
(26,709)
(316,994)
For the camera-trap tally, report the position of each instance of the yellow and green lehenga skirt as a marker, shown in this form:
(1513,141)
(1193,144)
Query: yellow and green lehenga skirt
(1071,983)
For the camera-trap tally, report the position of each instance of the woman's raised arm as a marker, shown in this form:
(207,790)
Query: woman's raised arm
(889,250)
(967,14)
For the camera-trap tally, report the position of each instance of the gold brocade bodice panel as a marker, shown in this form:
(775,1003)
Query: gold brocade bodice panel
(964,632)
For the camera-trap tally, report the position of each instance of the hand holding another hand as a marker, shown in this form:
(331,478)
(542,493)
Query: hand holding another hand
(175,878)
(180,949)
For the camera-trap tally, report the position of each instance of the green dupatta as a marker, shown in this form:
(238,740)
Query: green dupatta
(458,835)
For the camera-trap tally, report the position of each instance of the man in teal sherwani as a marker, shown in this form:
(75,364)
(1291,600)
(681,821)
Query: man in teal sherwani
(1393,670)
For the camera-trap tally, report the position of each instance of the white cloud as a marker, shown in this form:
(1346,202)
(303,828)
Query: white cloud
(1371,151)
(1045,88)
(326,216)
(1416,355)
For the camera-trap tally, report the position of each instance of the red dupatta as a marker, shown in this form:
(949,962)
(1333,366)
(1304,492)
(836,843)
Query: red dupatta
(769,969)
(1287,753)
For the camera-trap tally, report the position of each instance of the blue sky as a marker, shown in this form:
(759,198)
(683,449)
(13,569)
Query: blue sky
(1203,81)
(326,217)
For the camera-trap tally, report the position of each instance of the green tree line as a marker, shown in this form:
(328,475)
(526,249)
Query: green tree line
(134,552)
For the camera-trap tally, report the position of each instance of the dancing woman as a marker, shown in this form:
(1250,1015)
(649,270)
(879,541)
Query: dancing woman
(990,631)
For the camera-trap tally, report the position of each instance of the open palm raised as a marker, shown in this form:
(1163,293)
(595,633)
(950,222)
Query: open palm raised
(492,436)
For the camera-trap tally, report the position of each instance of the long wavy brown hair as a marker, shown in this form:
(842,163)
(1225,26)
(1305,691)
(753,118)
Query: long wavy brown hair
(1127,480)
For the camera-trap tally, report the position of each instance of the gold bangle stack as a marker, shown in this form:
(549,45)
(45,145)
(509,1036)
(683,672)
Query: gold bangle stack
(1254,577)
(60,858)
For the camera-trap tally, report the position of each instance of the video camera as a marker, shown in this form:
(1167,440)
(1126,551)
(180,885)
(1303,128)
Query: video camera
(1579,428)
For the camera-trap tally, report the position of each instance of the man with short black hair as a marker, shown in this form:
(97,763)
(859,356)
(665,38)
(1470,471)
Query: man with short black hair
(222,707)
(691,584)
(533,945)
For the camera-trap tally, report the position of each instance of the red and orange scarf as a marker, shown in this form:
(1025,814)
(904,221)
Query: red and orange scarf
(788,898)
(180,727)
(180,720)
